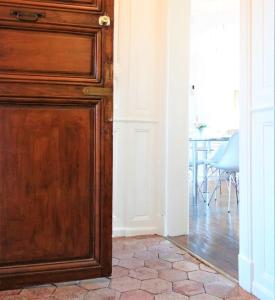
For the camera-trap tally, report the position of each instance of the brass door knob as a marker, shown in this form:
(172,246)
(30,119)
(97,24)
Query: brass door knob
(104,21)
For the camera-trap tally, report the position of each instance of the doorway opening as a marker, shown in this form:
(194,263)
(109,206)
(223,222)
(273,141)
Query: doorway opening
(213,134)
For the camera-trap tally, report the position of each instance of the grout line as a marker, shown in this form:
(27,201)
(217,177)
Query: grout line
(202,260)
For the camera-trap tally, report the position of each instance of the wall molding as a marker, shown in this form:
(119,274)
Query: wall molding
(262,108)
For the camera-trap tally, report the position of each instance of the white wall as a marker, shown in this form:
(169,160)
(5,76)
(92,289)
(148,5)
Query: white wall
(151,123)
(140,90)
(215,61)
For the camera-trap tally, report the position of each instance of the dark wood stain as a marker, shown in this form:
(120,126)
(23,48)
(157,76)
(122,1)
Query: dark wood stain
(55,143)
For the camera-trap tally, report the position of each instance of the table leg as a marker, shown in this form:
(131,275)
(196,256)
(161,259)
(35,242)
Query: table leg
(207,145)
(195,172)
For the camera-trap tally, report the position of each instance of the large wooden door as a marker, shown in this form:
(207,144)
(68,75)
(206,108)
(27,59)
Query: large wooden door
(55,140)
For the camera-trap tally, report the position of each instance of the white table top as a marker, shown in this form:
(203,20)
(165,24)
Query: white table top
(209,139)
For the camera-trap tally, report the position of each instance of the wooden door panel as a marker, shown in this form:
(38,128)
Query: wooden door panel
(88,5)
(47,206)
(95,3)
(51,17)
(56,54)
(56,112)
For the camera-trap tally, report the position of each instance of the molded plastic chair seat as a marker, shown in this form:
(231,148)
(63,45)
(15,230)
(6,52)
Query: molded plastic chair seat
(229,160)
(217,155)
(229,165)
(225,167)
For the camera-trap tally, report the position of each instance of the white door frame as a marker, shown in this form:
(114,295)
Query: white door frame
(177,131)
(177,218)
(245,234)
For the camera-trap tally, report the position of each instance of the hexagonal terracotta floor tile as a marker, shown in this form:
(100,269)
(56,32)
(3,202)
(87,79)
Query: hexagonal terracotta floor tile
(119,272)
(180,251)
(238,298)
(160,248)
(172,275)
(203,276)
(191,258)
(225,280)
(207,269)
(131,263)
(115,261)
(143,273)
(135,245)
(67,283)
(123,254)
(221,290)
(69,292)
(185,266)
(188,287)
(118,244)
(40,292)
(250,297)
(16,297)
(246,295)
(167,251)
(137,295)
(145,255)
(149,242)
(171,257)
(158,264)
(125,284)
(102,294)
(94,284)
(156,286)
(170,296)
(204,297)
(166,243)
(9,293)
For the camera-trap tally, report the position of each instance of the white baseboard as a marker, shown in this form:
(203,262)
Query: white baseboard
(245,273)
(262,293)
(128,232)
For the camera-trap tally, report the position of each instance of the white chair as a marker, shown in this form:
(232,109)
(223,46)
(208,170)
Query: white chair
(214,159)
(228,165)
(217,154)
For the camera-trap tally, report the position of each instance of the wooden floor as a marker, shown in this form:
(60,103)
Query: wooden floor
(214,234)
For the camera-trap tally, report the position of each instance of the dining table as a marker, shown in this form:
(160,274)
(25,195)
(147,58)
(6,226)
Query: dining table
(202,144)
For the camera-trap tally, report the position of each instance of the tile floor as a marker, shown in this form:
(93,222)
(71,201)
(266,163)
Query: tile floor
(144,268)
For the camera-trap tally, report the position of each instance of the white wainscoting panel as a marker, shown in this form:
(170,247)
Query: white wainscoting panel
(138,117)
(263,203)
(262,53)
(137,208)
(262,149)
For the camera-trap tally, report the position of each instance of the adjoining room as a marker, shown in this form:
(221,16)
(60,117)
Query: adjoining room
(214,133)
